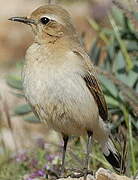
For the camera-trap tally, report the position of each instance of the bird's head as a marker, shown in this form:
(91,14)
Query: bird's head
(48,22)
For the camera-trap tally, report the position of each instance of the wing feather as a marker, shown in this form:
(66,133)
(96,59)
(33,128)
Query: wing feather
(92,83)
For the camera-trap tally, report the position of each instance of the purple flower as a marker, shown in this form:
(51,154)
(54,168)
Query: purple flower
(33,175)
(33,163)
(46,167)
(50,157)
(22,157)
(41,172)
(38,173)
(29,178)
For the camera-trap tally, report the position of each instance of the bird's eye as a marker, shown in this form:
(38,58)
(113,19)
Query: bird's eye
(44,20)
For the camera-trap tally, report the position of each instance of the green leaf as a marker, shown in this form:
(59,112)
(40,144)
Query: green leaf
(127,58)
(14,82)
(20,95)
(111,101)
(136,15)
(129,78)
(108,85)
(97,28)
(22,109)
(132,46)
(107,32)
(118,16)
(32,119)
(119,62)
(95,53)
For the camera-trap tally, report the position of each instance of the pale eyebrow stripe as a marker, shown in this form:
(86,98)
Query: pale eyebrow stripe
(53,17)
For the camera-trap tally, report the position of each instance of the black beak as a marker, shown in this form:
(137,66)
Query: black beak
(23,20)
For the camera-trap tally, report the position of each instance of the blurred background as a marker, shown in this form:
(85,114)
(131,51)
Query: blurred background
(109,32)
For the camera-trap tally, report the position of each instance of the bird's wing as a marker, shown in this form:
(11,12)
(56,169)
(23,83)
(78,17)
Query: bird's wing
(93,84)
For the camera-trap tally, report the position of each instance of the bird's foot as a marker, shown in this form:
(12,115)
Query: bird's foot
(85,170)
(56,172)
(77,173)
(62,172)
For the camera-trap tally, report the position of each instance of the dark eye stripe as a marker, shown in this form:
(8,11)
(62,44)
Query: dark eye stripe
(44,20)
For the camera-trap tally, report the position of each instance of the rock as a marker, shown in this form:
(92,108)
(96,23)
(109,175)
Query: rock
(101,174)
(89,177)
(104,174)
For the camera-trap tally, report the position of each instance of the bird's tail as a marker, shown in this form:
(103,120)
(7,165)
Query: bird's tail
(113,156)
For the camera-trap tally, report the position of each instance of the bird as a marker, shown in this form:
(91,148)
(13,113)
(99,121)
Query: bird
(61,85)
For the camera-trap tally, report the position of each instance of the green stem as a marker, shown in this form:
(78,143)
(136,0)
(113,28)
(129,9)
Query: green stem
(96,27)
(131,146)
(129,64)
(127,118)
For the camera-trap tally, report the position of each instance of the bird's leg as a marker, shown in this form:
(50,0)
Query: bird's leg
(88,150)
(65,139)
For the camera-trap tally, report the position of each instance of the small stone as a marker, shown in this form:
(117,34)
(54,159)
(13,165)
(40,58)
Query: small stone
(103,174)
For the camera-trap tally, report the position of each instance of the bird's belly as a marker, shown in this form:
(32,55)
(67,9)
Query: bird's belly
(62,100)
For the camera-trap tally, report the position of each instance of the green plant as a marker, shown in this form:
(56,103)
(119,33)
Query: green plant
(119,76)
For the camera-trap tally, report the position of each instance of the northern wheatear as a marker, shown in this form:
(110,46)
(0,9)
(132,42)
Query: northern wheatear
(60,82)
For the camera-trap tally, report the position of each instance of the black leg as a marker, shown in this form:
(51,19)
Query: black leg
(88,148)
(65,139)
